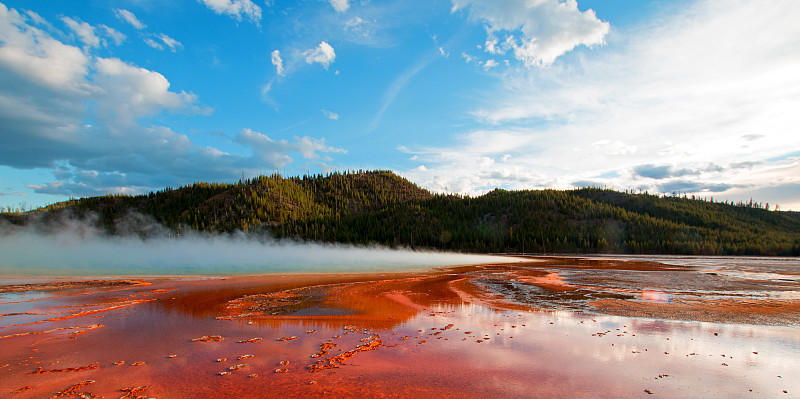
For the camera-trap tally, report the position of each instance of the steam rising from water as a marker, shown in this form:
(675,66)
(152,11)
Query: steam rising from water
(78,250)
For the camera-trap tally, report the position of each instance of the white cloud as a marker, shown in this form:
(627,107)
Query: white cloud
(159,41)
(340,5)
(235,8)
(614,148)
(354,24)
(489,64)
(36,18)
(547,29)
(129,17)
(116,36)
(277,62)
(274,153)
(330,115)
(153,43)
(84,31)
(93,121)
(363,31)
(88,34)
(467,58)
(173,44)
(32,54)
(322,54)
(682,92)
(134,92)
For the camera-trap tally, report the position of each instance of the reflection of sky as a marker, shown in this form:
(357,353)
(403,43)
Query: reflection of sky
(747,267)
(569,349)
(552,354)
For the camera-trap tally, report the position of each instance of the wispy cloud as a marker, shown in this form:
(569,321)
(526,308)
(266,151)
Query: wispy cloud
(661,102)
(130,18)
(161,41)
(85,32)
(398,85)
(330,115)
(237,9)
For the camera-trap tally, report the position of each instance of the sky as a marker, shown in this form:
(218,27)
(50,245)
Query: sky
(700,97)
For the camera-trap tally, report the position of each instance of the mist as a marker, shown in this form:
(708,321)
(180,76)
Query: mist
(78,248)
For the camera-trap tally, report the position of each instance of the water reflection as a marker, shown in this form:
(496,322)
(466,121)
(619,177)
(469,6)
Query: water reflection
(487,331)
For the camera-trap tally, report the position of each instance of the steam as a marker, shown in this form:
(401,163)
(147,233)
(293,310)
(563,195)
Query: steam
(73,247)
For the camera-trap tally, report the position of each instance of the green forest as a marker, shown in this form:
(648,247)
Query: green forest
(379,207)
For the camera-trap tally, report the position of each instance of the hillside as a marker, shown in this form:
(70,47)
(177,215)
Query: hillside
(381,207)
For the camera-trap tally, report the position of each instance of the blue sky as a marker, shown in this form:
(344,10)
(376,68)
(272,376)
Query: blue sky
(465,96)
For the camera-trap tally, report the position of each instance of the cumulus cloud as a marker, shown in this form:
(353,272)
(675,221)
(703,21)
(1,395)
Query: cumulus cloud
(274,153)
(340,5)
(489,64)
(129,17)
(660,108)
(35,56)
(322,54)
(85,32)
(134,92)
(93,121)
(36,18)
(237,9)
(116,36)
(277,62)
(537,32)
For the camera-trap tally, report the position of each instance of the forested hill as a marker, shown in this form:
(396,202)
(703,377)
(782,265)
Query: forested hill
(381,207)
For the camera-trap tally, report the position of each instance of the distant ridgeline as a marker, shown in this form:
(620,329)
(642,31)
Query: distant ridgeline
(381,207)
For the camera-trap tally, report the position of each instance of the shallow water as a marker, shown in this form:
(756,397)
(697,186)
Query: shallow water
(28,255)
(441,336)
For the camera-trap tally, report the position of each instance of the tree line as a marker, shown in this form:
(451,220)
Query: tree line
(380,207)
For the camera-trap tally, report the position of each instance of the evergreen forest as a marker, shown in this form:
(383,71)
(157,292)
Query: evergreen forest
(380,207)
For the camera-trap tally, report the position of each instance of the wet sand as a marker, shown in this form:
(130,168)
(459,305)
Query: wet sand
(552,327)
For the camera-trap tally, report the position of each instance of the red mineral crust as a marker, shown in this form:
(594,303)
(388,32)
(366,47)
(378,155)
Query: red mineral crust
(550,327)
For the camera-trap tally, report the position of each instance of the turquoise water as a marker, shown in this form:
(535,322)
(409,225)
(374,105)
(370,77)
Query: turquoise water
(70,255)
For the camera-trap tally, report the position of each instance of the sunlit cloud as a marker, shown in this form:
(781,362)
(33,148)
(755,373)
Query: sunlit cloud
(277,62)
(129,17)
(323,54)
(652,110)
(340,5)
(93,121)
(236,9)
(536,32)
(330,115)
